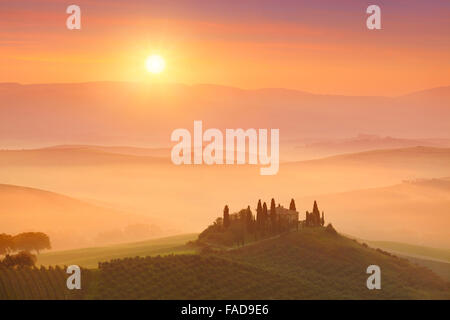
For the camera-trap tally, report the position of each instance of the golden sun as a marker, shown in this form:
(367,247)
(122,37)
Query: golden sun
(155,64)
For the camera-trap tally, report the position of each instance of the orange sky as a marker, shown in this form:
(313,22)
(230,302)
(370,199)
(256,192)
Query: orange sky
(322,48)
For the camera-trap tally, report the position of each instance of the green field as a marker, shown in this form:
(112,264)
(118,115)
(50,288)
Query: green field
(307,264)
(90,257)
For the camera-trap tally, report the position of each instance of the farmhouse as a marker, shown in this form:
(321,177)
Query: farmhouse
(287,215)
(243,226)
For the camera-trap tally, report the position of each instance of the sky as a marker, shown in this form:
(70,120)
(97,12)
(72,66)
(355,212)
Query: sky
(315,46)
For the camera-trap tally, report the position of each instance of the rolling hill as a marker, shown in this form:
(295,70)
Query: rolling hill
(413,212)
(349,187)
(308,264)
(418,158)
(442,269)
(436,259)
(76,156)
(124,150)
(69,222)
(320,148)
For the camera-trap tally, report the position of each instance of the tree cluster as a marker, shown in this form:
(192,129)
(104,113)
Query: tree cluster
(242,226)
(26,241)
(21,259)
(272,222)
(313,219)
(23,244)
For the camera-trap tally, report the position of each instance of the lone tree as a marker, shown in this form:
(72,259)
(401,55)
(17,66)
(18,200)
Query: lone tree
(29,241)
(226,217)
(292,205)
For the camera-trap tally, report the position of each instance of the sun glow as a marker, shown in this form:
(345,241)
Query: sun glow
(155,64)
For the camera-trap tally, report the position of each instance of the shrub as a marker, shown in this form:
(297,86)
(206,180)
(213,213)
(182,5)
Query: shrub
(22,259)
(330,229)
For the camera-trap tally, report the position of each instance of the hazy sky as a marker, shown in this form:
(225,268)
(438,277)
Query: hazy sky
(316,46)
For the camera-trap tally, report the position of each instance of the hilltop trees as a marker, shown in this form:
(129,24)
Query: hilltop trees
(242,226)
(313,218)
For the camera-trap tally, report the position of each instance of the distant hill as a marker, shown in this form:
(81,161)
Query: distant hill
(140,113)
(125,150)
(77,156)
(413,212)
(168,194)
(435,93)
(375,168)
(70,222)
(418,156)
(360,143)
(308,264)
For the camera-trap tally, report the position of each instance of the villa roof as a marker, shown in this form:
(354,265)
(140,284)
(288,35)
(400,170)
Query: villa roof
(283,210)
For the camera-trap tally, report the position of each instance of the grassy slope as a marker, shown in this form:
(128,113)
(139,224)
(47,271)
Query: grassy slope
(436,259)
(89,257)
(309,264)
(338,265)
(442,269)
(412,250)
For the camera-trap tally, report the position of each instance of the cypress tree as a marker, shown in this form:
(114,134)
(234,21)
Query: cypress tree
(316,215)
(292,205)
(315,207)
(273,215)
(226,217)
(249,219)
(264,213)
(259,213)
